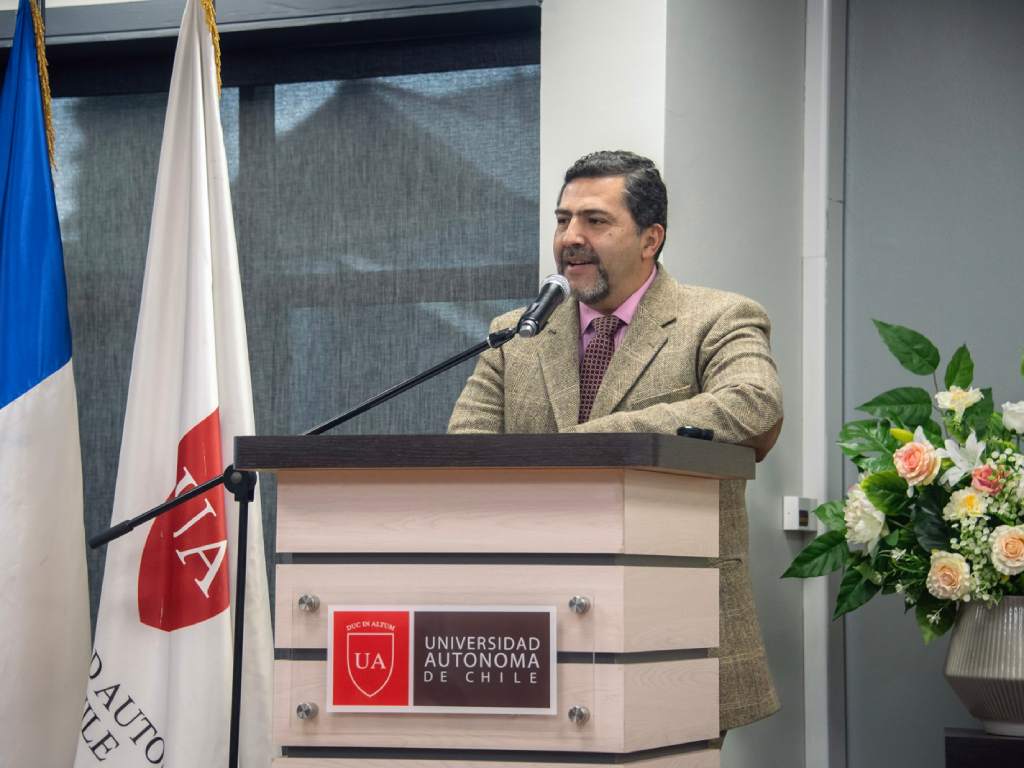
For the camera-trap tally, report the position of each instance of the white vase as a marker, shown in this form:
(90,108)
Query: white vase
(985,664)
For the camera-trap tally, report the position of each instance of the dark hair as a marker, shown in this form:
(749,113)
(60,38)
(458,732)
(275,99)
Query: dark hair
(646,196)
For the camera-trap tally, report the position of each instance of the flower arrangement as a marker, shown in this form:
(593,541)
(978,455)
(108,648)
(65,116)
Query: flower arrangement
(938,512)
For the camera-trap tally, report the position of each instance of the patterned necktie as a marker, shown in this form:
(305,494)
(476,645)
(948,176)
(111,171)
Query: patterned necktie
(595,361)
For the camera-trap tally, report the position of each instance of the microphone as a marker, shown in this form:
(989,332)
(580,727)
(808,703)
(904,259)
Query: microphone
(553,291)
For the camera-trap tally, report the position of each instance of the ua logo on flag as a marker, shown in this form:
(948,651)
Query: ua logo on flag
(183,576)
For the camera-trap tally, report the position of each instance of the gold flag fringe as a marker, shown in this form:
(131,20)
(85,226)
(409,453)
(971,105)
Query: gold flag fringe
(44,79)
(211,22)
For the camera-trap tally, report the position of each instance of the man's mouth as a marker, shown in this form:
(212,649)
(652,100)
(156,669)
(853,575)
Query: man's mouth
(577,260)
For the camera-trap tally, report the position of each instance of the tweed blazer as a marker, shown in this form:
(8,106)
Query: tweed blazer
(691,355)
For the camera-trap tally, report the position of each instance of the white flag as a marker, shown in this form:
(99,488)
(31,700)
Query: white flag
(44,602)
(159,688)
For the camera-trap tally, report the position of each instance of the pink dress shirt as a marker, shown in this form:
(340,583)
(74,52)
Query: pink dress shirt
(625,313)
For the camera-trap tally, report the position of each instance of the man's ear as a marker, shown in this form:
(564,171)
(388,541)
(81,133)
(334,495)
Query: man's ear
(651,239)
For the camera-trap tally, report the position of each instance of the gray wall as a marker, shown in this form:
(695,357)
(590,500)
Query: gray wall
(934,212)
(713,91)
(733,164)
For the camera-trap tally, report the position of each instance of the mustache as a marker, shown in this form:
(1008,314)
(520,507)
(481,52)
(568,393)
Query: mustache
(576,252)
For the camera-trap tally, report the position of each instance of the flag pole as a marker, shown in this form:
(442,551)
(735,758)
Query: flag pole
(242,484)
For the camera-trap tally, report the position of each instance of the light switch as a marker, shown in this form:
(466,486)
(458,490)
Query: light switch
(796,514)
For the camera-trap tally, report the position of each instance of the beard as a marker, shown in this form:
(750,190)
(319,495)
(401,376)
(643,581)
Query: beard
(598,288)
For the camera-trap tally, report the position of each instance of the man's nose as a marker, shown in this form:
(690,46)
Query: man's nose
(573,233)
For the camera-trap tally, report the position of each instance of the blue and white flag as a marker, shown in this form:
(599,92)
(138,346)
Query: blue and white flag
(44,602)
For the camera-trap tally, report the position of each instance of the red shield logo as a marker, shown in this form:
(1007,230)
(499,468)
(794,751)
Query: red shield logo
(371,660)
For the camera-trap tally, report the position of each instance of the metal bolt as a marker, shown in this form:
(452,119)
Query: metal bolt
(309,603)
(579,715)
(307,710)
(579,604)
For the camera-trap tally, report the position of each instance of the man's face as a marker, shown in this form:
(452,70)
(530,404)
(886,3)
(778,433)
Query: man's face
(597,246)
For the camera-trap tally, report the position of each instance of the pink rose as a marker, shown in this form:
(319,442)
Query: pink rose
(949,577)
(987,480)
(1008,549)
(917,463)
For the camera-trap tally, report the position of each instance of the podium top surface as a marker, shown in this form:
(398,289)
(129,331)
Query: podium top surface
(663,453)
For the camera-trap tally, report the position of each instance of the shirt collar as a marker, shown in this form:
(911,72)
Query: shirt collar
(625,311)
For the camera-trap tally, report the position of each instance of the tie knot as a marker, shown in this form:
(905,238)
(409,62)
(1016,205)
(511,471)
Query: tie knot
(606,325)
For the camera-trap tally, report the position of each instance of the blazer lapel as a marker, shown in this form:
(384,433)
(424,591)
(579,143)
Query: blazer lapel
(644,337)
(558,351)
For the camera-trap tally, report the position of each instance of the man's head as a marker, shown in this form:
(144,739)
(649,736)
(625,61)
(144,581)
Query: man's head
(611,220)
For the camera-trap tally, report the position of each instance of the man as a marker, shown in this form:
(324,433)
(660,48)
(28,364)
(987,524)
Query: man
(638,352)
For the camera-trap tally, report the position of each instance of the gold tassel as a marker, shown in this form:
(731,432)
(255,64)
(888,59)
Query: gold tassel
(211,22)
(44,80)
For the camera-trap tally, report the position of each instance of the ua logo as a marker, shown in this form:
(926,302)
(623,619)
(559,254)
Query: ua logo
(183,577)
(371,657)
(368,658)
(363,661)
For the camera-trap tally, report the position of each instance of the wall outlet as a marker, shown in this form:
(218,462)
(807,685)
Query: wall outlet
(796,514)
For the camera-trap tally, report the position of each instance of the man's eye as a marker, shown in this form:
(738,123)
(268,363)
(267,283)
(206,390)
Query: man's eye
(597,220)
(561,220)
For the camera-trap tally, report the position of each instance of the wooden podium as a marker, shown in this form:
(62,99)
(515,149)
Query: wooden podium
(616,531)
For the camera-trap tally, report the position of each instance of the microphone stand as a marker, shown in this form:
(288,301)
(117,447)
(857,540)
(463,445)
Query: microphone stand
(493,341)
(242,484)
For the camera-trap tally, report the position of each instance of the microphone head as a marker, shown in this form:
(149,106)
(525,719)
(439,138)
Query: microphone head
(558,280)
(554,289)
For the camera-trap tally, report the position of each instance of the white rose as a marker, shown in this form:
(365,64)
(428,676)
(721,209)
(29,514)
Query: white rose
(958,400)
(949,577)
(965,503)
(864,523)
(1008,549)
(1013,416)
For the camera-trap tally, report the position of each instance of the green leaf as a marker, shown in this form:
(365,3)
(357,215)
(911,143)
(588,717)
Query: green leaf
(869,464)
(831,514)
(866,436)
(864,569)
(825,554)
(914,351)
(933,432)
(910,406)
(996,426)
(887,491)
(930,529)
(881,463)
(960,371)
(929,607)
(1022,365)
(978,416)
(854,591)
